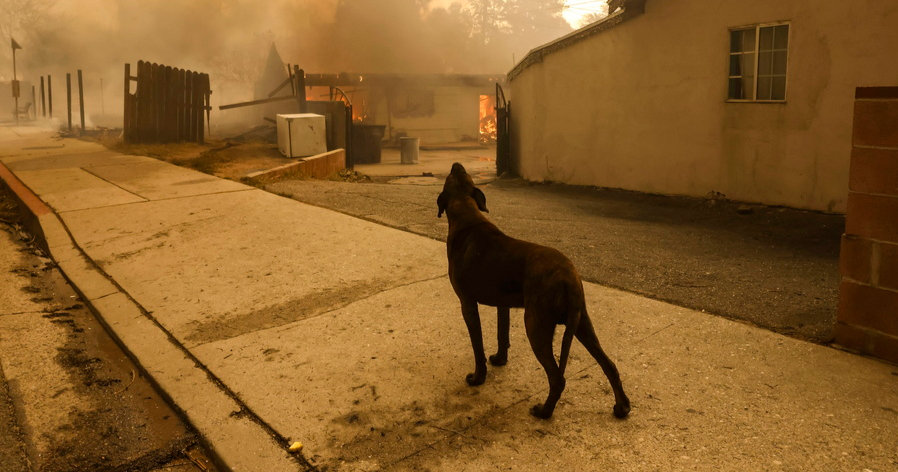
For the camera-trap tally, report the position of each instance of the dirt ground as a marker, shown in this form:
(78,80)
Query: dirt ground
(70,399)
(228,158)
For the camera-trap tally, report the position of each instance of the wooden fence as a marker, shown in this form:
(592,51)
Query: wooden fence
(167,106)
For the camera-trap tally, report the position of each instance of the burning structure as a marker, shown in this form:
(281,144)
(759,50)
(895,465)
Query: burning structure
(436,108)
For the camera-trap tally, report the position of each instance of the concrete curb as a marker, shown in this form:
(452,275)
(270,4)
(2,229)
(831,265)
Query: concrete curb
(236,436)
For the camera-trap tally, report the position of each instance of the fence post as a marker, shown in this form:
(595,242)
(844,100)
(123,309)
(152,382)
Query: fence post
(43,100)
(81,99)
(68,97)
(299,77)
(126,120)
(50,96)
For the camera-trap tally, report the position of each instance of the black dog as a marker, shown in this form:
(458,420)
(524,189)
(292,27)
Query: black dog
(490,268)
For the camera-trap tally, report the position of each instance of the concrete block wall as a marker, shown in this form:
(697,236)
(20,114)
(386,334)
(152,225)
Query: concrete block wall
(868,295)
(317,167)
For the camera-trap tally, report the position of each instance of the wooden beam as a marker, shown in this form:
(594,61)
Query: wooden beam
(255,102)
(279,87)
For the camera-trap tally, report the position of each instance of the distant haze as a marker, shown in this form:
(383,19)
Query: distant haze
(230,39)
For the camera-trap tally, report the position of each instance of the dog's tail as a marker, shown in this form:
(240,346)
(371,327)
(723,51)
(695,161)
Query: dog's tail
(566,339)
(575,304)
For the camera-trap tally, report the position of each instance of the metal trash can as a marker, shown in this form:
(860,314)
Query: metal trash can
(408,150)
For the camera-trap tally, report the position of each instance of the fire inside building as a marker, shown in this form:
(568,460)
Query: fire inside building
(365,110)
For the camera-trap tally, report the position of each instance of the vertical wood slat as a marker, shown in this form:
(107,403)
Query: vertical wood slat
(169,125)
(135,123)
(145,94)
(160,102)
(197,122)
(189,123)
(205,102)
(173,103)
(179,107)
(154,102)
(151,104)
(140,95)
(146,101)
(193,105)
(185,105)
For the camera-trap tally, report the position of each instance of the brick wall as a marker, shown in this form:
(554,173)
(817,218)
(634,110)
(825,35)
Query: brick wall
(868,295)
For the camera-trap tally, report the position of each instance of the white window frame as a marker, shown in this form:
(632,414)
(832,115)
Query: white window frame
(757,54)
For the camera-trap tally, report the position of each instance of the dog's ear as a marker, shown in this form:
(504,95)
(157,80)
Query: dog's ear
(480,198)
(441,204)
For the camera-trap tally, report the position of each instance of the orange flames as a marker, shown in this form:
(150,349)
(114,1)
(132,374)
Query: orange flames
(360,112)
(487,119)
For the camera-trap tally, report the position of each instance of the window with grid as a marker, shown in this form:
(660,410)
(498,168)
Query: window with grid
(758,59)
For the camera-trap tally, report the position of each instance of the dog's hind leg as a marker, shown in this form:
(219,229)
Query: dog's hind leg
(587,336)
(501,356)
(472,320)
(540,331)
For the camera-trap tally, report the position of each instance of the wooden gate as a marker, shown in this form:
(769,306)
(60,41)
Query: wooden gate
(503,138)
(167,106)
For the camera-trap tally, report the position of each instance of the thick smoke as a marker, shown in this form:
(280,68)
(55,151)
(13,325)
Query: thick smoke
(230,39)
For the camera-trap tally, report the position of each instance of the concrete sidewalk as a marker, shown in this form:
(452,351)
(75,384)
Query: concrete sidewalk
(268,321)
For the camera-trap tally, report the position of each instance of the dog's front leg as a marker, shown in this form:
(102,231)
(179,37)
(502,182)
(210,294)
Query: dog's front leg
(501,356)
(472,320)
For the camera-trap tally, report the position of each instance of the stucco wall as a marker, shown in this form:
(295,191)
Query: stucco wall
(642,106)
(456,115)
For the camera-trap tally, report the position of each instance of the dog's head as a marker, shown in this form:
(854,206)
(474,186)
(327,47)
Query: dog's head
(459,185)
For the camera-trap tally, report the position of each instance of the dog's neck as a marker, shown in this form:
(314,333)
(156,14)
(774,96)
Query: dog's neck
(462,213)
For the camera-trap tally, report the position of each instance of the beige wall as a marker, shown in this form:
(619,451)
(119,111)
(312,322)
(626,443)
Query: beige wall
(642,106)
(456,115)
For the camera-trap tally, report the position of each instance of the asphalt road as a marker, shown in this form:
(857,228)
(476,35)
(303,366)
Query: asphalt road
(773,267)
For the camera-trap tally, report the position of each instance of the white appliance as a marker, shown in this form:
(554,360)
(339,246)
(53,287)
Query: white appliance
(301,134)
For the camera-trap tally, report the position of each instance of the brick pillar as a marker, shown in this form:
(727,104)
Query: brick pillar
(868,295)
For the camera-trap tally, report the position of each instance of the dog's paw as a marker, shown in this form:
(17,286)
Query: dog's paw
(540,412)
(621,411)
(498,360)
(476,379)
